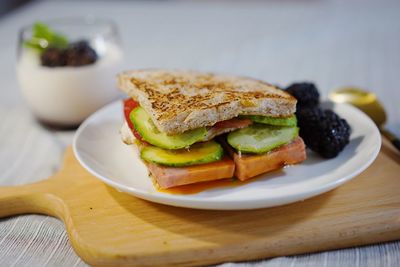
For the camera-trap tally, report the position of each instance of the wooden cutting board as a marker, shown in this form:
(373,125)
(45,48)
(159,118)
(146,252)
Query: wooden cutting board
(108,228)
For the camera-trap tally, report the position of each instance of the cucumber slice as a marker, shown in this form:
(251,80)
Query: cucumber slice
(149,132)
(260,138)
(288,121)
(199,153)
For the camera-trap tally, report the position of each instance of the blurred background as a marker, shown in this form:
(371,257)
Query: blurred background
(9,5)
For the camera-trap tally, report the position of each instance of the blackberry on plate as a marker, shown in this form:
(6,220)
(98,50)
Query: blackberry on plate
(307,94)
(80,53)
(53,57)
(323,131)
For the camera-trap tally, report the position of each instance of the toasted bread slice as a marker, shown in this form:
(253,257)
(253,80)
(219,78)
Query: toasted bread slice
(182,100)
(250,165)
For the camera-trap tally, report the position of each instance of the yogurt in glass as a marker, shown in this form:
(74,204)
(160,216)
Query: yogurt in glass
(64,96)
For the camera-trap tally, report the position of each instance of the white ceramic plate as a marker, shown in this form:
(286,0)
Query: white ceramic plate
(98,147)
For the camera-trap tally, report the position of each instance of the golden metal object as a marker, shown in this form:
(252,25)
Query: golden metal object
(366,101)
(369,104)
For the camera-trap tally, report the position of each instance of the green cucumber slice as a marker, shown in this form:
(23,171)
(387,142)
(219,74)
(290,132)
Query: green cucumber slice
(198,153)
(260,138)
(288,121)
(149,132)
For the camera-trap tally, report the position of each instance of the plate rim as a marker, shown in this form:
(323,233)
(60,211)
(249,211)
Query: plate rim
(219,204)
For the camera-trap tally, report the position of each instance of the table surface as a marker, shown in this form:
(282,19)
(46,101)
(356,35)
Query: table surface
(333,43)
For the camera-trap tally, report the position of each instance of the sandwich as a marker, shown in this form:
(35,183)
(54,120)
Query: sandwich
(193,127)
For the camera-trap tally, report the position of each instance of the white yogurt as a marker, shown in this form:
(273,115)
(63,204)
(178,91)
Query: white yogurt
(67,95)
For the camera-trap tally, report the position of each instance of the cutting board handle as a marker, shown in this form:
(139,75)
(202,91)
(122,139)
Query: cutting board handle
(44,197)
(31,198)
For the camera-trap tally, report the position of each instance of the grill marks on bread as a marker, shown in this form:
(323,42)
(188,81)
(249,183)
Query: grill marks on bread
(179,100)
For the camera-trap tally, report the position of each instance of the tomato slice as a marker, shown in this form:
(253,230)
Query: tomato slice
(129,105)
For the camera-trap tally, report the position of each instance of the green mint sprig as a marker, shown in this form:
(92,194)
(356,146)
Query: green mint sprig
(43,37)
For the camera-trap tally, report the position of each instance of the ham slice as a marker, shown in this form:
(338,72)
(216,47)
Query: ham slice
(226,127)
(250,165)
(167,177)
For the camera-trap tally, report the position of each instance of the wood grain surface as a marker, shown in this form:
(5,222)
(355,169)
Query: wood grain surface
(108,228)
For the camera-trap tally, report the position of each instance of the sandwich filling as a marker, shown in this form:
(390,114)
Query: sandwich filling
(252,134)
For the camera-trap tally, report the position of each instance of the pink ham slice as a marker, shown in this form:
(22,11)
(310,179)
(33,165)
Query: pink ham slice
(250,165)
(226,127)
(167,177)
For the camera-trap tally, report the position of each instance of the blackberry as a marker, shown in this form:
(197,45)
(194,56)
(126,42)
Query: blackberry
(76,54)
(323,131)
(307,94)
(53,57)
(79,54)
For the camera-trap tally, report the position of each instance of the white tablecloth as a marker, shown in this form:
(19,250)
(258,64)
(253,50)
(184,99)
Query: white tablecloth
(333,43)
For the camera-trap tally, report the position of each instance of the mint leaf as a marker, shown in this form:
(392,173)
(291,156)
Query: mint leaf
(43,37)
